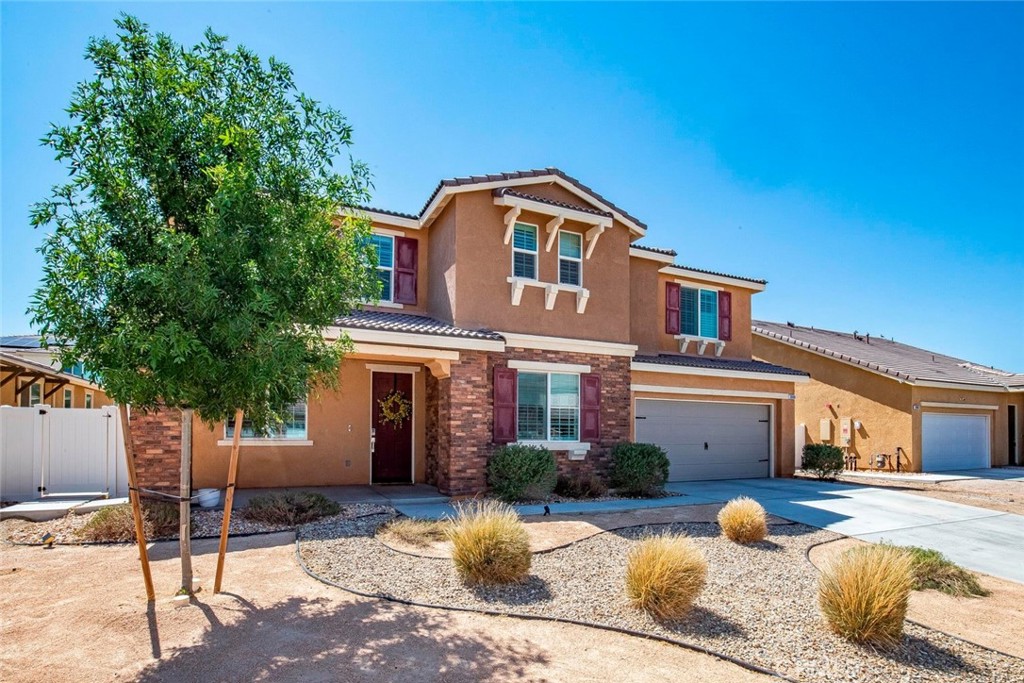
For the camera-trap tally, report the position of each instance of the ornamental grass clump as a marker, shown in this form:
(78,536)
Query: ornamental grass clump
(664,576)
(490,544)
(743,520)
(115,523)
(934,570)
(290,508)
(419,533)
(863,595)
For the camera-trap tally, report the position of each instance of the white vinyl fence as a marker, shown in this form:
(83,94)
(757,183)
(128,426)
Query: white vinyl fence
(57,451)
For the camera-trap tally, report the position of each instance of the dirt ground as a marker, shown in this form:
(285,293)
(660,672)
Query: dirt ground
(991,494)
(79,614)
(991,621)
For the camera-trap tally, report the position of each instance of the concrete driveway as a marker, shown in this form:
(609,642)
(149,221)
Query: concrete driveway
(986,541)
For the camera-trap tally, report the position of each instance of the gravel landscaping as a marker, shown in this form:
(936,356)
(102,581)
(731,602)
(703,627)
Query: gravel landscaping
(760,603)
(205,524)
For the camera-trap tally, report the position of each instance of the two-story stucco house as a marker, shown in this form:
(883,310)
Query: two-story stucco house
(518,308)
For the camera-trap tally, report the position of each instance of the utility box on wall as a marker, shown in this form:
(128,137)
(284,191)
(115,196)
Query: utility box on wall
(845,432)
(825,430)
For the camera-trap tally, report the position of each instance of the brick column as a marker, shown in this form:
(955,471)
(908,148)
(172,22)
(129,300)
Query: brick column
(156,438)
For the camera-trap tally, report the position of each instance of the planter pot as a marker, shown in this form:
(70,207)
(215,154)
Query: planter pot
(209,498)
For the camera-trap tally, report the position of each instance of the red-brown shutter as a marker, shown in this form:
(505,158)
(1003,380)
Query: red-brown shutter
(504,405)
(590,408)
(671,308)
(406,258)
(725,316)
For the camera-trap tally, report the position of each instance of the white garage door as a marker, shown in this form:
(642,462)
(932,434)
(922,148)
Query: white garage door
(954,442)
(707,440)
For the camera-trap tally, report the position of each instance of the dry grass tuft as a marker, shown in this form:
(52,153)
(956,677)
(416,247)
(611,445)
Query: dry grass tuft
(418,533)
(490,544)
(743,520)
(934,570)
(664,575)
(863,594)
(115,523)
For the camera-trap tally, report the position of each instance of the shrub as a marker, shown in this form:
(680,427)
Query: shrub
(586,485)
(664,575)
(417,532)
(115,523)
(932,569)
(522,472)
(490,544)
(743,520)
(823,460)
(639,468)
(863,594)
(289,508)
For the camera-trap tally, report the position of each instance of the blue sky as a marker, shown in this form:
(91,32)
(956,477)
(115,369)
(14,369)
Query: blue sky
(866,159)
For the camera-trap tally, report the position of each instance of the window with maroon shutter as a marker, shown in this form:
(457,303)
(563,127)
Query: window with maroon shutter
(406,258)
(504,405)
(671,308)
(590,408)
(725,316)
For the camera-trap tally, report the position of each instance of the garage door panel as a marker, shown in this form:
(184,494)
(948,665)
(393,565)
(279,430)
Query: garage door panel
(954,442)
(736,434)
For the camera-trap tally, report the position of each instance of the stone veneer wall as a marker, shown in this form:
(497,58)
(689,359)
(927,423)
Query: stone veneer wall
(156,440)
(461,415)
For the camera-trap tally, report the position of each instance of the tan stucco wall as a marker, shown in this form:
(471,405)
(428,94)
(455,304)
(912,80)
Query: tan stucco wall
(884,406)
(441,264)
(338,424)
(485,262)
(782,408)
(647,310)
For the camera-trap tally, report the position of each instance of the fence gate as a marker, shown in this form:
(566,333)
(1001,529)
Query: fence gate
(60,451)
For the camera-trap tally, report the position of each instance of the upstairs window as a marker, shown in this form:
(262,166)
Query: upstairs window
(293,427)
(570,258)
(524,251)
(67,398)
(385,246)
(698,309)
(88,399)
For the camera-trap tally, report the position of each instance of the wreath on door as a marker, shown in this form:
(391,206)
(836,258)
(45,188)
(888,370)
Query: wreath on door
(395,408)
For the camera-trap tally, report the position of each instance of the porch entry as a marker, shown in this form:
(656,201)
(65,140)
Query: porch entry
(391,437)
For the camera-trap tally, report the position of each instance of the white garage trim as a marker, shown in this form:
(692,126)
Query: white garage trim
(689,391)
(968,406)
(771,421)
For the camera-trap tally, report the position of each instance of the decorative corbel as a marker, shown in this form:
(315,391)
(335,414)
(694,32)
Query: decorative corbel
(684,342)
(510,222)
(440,368)
(719,347)
(582,296)
(701,346)
(552,228)
(550,292)
(591,237)
(517,290)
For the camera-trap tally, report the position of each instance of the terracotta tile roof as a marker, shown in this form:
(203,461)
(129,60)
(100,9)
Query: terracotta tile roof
(388,212)
(412,324)
(656,250)
(718,364)
(516,175)
(713,272)
(509,192)
(902,361)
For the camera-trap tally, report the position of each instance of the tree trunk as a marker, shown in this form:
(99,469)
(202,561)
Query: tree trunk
(185,507)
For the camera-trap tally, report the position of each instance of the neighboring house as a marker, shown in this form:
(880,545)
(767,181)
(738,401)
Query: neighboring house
(872,395)
(516,308)
(31,375)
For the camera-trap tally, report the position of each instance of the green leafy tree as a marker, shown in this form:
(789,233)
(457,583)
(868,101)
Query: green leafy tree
(197,252)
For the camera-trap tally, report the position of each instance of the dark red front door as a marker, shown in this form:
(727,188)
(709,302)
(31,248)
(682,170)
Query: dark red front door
(392,453)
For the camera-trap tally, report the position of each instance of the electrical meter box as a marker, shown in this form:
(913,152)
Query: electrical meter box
(825,430)
(845,430)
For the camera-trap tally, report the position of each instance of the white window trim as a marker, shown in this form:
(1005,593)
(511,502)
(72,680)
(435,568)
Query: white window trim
(69,397)
(388,303)
(571,446)
(270,440)
(557,368)
(535,253)
(698,337)
(570,258)
(547,416)
(88,399)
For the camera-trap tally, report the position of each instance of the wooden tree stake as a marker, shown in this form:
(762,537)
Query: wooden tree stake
(185,501)
(133,496)
(229,499)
